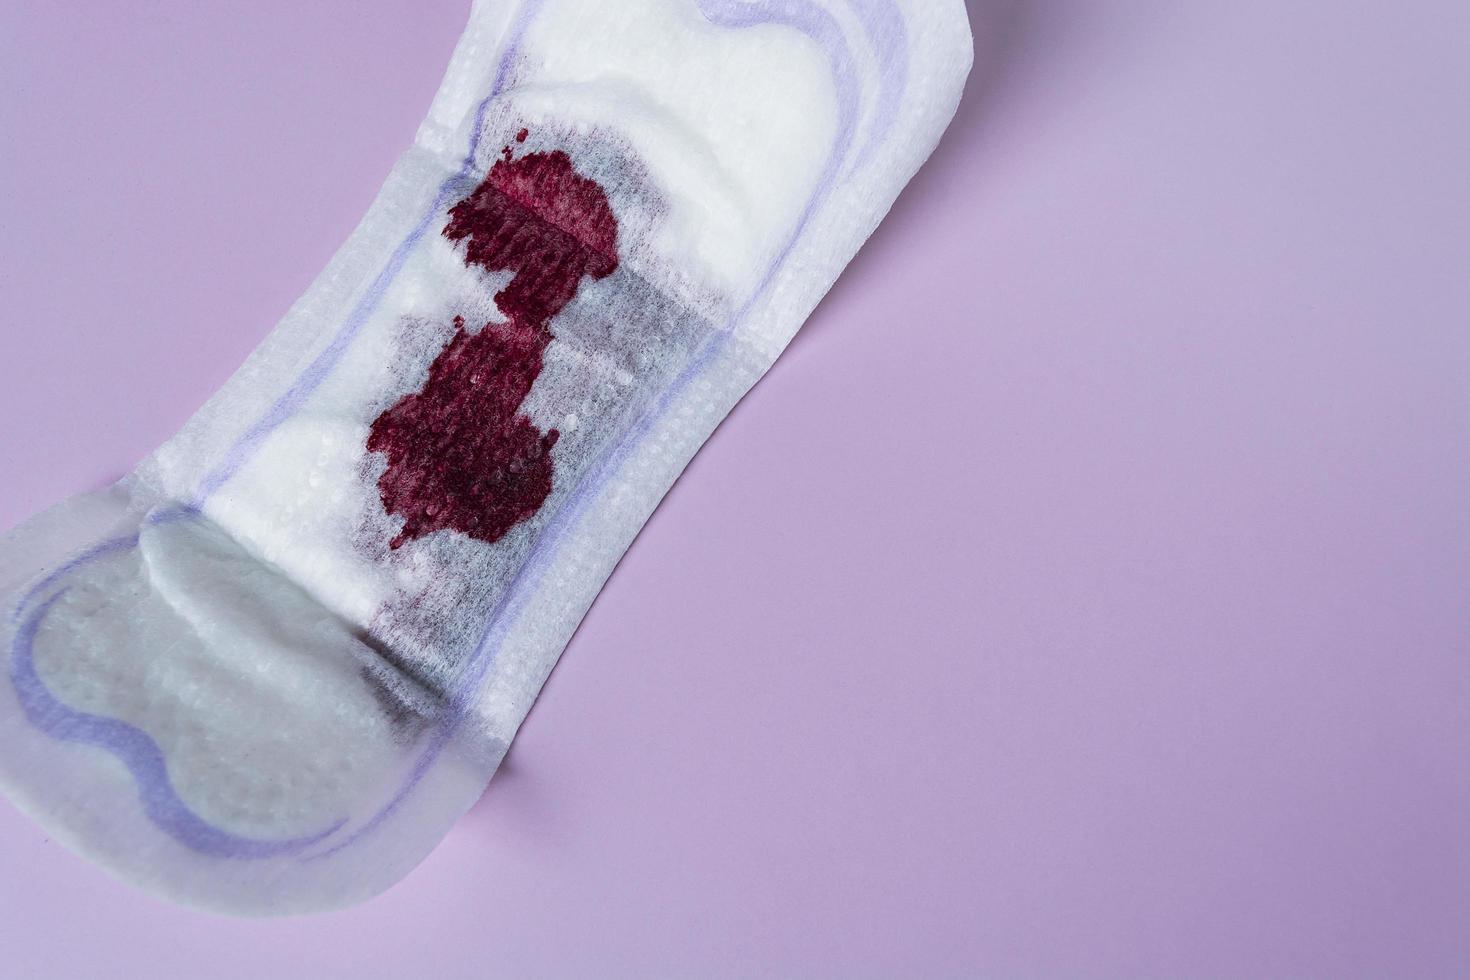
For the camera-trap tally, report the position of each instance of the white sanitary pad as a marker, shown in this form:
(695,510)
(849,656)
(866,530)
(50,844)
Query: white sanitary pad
(267,671)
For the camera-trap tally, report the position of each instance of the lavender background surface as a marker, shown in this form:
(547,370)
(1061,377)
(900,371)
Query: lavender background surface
(1085,593)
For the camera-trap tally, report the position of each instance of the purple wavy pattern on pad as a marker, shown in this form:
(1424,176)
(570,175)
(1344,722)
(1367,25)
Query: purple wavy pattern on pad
(889,37)
(137,750)
(142,755)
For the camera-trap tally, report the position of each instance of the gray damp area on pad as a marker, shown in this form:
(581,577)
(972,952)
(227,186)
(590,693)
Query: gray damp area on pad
(600,360)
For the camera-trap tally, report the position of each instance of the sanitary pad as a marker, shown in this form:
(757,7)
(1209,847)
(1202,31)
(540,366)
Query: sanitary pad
(268,670)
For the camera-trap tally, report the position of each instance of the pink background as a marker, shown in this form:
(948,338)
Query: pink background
(1084,593)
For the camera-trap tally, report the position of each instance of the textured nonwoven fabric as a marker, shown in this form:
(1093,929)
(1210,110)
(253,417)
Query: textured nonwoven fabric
(268,670)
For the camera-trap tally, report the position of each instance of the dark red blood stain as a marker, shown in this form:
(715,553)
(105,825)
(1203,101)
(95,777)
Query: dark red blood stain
(521,136)
(461,455)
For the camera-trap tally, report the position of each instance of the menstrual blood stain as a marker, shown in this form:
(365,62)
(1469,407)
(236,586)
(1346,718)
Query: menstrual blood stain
(461,454)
